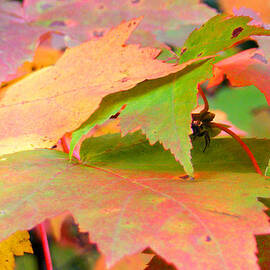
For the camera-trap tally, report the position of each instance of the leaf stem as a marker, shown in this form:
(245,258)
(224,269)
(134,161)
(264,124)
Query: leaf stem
(45,246)
(244,146)
(66,148)
(206,105)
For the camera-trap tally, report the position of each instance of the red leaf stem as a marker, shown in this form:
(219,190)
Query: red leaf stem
(45,246)
(245,147)
(206,105)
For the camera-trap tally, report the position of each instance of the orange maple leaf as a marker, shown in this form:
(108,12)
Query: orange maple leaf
(249,67)
(38,110)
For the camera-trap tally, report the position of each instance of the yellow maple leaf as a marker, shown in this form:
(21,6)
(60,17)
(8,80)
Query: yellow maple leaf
(16,245)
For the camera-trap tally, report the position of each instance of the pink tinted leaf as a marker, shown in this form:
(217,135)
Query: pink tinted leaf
(83,20)
(251,8)
(57,99)
(249,67)
(12,7)
(130,195)
(18,41)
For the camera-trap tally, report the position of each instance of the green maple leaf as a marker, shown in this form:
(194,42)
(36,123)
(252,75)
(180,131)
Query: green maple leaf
(219,33)
(162,108)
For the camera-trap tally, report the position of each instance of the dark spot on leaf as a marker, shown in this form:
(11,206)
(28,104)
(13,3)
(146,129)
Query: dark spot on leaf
(134,23)
(187,177)
(259,110)
(129,25)
(260,58)
(208,238)
(33,68)
(237,31)
(58,23)
(115,116)
(135,1)
(98,33)
(199,54)
(183,50)
(54,146)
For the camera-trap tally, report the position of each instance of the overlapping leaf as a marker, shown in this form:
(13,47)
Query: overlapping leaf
(43,57)
(83,20)
(16,245)
(161,108)
(219,33)
(259,7)
(259,14)
(136,261)
(132,195)
(164,111)
(22,37)
(38,110)
(246,68)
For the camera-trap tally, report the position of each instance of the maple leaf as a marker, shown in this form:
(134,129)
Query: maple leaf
(22,38)
(59,98)
(16,245)
(163,112)
(78,244)
(82,20)
(243,69)
(257,13)
(137,261)
(43,57)
(158,262)
(130,195)
(26,25)
(255,7)
(161,108)
(219,33)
